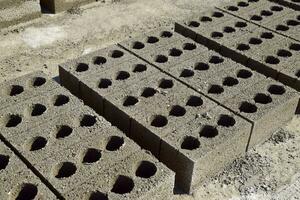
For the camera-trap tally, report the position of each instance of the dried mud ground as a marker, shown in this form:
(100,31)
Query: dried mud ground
(269,171)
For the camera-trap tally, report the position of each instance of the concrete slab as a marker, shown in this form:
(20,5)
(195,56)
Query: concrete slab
(17,181)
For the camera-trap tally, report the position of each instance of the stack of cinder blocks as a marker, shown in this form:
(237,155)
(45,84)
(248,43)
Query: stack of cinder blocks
(16,11)
(186,99)
(72,150)
(56,6)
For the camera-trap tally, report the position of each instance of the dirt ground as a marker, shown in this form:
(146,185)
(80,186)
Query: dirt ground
(269,171)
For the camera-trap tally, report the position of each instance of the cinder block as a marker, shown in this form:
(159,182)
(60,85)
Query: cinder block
(25,87)
(137,177)
(17,181)
(205,145)
(19,12)
(90,64)
(56,6)
(268,105)
(288,3)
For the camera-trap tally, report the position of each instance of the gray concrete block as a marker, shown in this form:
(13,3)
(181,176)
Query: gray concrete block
(268,105)
(21,12)
(89,64)
(139,176)
(288,3)
(25,87)
(56,6)
(205,145)
(17,181)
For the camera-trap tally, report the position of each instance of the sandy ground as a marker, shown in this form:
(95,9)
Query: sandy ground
(269,171)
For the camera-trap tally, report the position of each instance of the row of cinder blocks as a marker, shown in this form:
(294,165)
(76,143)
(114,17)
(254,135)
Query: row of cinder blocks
(257,48)
(294,4)
(68,145)
(191,127)
(267,14)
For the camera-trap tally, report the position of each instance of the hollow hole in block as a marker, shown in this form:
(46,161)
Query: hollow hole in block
(13,120)
(82,67)
(122,75)
(215,89)
(276,8)
(276,89)
(61,100)
(194,101)
(243,73)
(91,156)
(159,121)
(294,47)
(262,98)
(243,47)
(26,191)
(242,4)
(189,46)
(190,143)
(247,107)
(255,41)
(266,13)
(292,22)
(99,60)
(161,59)
(88,121)
(166,34)
(209,131)
(216,35)
(226,121)
(284,53)
(123,185)
(296,1)
(114,143)
(217,14)
(256,18)
(104,83)
(201,66)
(4,160)
(230,81)
(96,195)
(175,52)
(267,35)
(166,84)
(298,17)
(193,24)
(177,111)
(148,92)
(63,131)
(240,24)
(38,109)
(138,45)
(253,1)
(205,19)
(281,27)
(232,8)
(116,54)
(38,143)
(228,29)
(139,68)
(186,73)
(38,81)
(65,170)
(297,74)
(152,39)
(130,101)
(216,60)
(15,90)
(272,60)
(146,169)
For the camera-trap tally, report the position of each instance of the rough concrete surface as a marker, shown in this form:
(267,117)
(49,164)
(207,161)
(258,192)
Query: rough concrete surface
(268,171)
